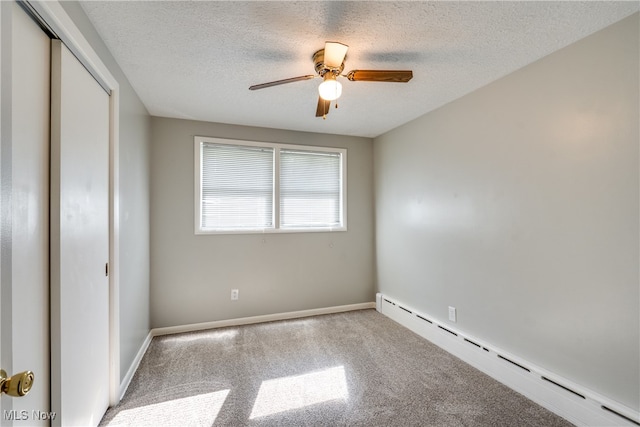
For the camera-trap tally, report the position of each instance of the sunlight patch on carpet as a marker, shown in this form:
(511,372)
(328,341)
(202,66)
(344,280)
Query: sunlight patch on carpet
(283,394)
(213,335)
(201,409)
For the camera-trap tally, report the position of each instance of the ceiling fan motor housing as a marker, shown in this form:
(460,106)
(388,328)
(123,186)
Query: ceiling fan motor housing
(322,68)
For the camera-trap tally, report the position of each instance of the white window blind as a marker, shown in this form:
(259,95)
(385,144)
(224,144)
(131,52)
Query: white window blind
(236,187)
(310,189)
(265,187)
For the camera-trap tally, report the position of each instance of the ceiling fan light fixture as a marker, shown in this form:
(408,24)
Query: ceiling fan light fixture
(330,89)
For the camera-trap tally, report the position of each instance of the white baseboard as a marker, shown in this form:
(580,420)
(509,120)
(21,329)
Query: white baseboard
(124,384)
(578,405)
(260,319)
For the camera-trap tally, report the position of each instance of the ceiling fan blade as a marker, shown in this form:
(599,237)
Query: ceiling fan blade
(399,76)
(334,54)
(281,82)
(323,107)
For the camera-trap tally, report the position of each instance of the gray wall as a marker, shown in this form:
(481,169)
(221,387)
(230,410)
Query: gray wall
(135,134)
(518,205)
(192,275)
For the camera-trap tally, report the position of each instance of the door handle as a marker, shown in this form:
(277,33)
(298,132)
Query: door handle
(16,385)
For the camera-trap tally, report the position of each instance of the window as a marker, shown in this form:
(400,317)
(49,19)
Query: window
(237,187)
(244,186)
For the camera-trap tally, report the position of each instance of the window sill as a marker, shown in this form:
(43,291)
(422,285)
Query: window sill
(271,231)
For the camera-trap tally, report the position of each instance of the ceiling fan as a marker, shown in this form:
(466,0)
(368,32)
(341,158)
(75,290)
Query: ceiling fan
(329,63)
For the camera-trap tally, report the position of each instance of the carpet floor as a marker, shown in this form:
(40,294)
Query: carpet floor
(357,368)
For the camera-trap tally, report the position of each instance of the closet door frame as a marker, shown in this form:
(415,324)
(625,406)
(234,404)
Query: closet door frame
(55,19)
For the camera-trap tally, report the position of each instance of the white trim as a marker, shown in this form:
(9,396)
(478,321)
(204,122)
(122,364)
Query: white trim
(276,190)
(584,410)
(114,248)
(260,319)
(124,385)
(53,14)
(197,185)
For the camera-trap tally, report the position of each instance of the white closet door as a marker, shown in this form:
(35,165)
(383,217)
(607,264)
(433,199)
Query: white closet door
(30,214)
(79,242)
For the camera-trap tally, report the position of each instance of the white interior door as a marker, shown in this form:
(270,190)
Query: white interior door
(25,214)
(30,203)
(79,242)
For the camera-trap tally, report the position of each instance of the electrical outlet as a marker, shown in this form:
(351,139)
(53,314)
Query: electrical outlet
(234,294)
(452,314)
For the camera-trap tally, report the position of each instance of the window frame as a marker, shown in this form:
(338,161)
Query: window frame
(199,141)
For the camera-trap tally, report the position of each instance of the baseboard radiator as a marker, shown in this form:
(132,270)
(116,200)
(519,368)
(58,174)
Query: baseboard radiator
(566,399)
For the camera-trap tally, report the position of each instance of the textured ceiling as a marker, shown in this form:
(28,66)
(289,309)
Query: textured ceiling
(196,60)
